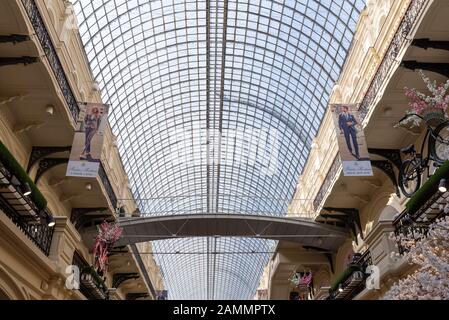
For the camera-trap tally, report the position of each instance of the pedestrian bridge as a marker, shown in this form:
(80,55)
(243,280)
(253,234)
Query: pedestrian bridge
(301,231)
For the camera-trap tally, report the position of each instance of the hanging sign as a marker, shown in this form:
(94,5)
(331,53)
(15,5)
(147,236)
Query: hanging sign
(351,140)
(88,141)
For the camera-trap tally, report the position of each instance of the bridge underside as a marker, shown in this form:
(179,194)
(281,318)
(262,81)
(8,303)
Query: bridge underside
(304,232)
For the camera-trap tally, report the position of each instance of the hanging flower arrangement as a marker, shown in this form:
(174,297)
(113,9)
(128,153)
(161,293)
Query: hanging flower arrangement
(306,279)
(301,279)
(108,234)
(431,107)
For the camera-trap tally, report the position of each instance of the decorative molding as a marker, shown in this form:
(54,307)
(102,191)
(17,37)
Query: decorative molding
(6,100)
(361,197)
(23,127)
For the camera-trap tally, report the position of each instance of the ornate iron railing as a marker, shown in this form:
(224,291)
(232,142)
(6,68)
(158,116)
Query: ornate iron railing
(409,229)
(389,60)
(52,56)
(91,286)
(346,289)
(107,185)
(330,176)
(40,234)
(35,230)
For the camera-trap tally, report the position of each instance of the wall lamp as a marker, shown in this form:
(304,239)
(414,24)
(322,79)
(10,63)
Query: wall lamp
(50,220)
(26,189)
(442,187)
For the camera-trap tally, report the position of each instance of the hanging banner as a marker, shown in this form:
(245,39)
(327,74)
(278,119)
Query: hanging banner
(351,140)
(88,141)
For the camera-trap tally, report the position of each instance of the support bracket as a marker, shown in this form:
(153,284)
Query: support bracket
(14,38)
(387,168)
(39,152)
(328,255)
(393,155)
(46,164)
(349,216)
(438,67)
(136,295)
(119,278)
(426,43)
(81,216)
(10,61)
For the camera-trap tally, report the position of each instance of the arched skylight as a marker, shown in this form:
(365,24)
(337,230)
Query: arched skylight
(215,104)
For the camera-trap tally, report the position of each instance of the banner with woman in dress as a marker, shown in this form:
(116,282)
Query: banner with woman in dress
(88,141)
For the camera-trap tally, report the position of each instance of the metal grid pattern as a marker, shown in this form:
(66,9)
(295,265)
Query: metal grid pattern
(192,84)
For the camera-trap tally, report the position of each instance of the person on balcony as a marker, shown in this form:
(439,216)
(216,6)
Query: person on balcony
(91,125)
(347,124)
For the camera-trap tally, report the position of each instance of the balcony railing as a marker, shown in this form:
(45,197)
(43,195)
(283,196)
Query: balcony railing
(52,55)
(91,284)
(407,228)
(107,186)
(378,82)
(423,208)
(352,280)
(21,209)
(40,234)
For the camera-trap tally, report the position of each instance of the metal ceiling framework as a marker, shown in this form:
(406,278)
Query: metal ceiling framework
(196,88)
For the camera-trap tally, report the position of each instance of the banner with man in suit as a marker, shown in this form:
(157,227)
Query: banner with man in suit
(351,140)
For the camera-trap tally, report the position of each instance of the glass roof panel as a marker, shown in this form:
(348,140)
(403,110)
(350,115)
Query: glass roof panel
(215,105)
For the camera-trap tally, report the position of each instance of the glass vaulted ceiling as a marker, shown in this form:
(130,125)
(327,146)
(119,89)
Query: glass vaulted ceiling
(192,85)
